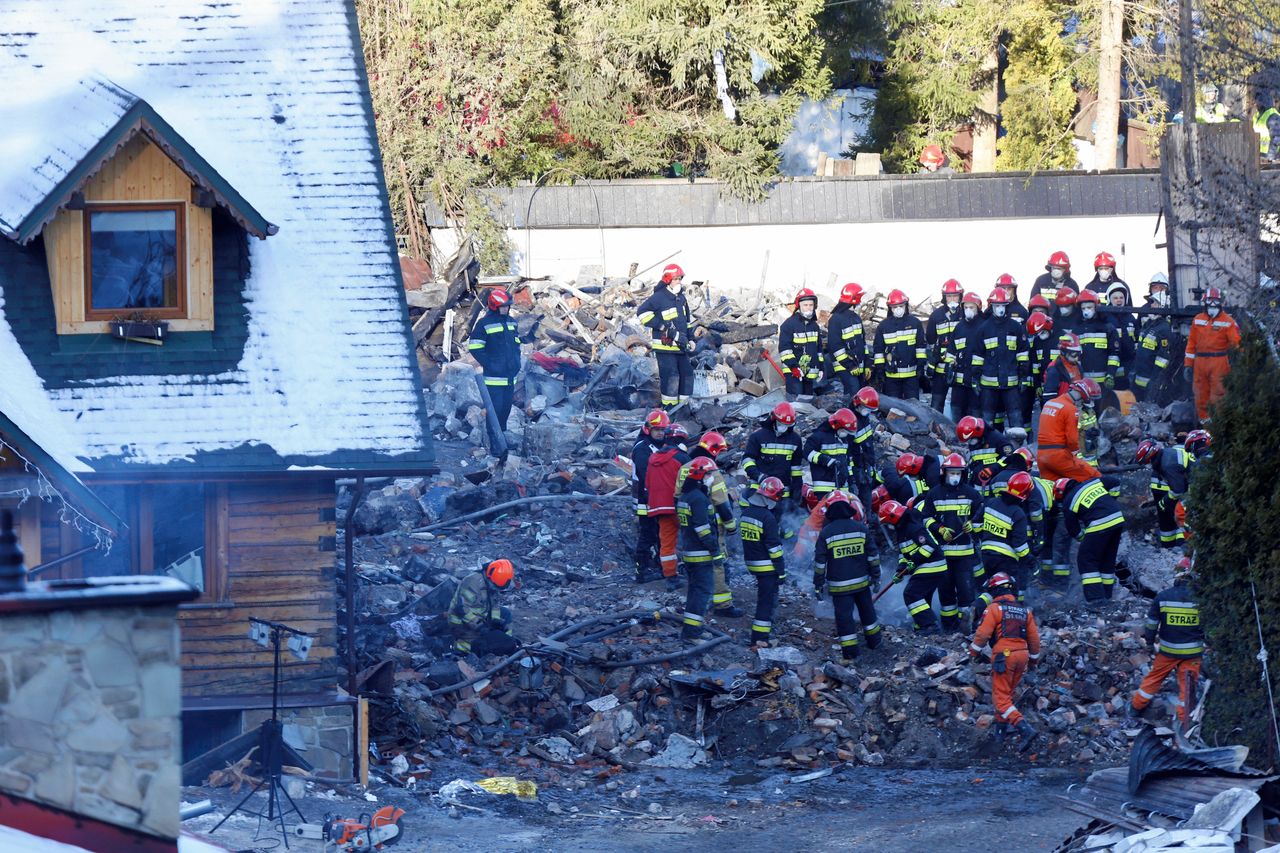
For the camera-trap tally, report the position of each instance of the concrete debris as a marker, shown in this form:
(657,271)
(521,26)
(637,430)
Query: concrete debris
(681,753)
(1225,812)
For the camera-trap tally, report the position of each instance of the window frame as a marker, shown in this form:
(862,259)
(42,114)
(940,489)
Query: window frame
(179,210)
(216,538)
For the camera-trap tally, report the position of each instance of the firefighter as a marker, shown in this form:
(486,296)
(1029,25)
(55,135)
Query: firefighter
(897,486)
(1173,626)
(1065,317)
(1126,325)
(800,346)
(937,335)
(661,485)
(846,353)
(920,557)
(966,340)
(1064,369)
(1056,275)
(1099,340)
(1042,350)
(987,448)
(900,349)
(775,450)
(1010,627)
(711,445)
(840,568)
(1214,335)
(699,545)
(950,509)
(863,463)
(762,553)
(1093,516)
(1170,468)
(1002,362)
(1058,445)
(926,470)
(653,433)
(1104,274)
(495,344)
(666,313)
(1006,530)
(1155,345)
(1010,284)
(827,450)
(476,621)
(1198,442)
(934,162)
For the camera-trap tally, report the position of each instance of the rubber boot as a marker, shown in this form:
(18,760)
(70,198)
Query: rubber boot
(1027,735)
(998,732)
(731,611)
(848,652)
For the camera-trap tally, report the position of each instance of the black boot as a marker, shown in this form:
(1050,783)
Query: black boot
(998,732)
(1027,735)
(730,611)
(848,652)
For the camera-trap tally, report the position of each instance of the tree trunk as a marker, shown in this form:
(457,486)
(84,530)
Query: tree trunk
(1107,121)
(984,125)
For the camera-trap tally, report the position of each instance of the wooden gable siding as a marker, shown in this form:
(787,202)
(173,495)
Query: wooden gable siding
(138,172)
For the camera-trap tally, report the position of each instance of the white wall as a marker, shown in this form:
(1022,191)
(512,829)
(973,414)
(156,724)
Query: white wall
(915,256)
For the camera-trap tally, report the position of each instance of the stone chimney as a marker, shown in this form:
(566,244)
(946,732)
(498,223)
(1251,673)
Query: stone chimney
(90,708)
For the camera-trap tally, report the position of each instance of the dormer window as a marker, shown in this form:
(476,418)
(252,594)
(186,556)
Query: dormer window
(135,261)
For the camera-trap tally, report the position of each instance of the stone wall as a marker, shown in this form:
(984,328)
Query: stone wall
(90,704)
(321,735)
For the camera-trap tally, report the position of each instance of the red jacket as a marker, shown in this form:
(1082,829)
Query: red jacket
(660,480)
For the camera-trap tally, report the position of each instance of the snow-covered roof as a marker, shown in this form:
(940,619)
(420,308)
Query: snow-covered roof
(272,94)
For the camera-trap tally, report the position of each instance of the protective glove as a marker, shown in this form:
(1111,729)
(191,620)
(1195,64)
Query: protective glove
(731,526)
(1108,382)
(1187,373)
(795,373)
(946,533)
(819,584)
(689,347)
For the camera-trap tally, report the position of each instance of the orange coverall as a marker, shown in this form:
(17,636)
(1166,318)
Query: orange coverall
(1016,640)
(1058,442)
(1212,338)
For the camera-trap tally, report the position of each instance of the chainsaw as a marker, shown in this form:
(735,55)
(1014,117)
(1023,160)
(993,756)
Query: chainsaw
(344,835)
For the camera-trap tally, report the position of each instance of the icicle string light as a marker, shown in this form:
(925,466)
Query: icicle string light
(45,491)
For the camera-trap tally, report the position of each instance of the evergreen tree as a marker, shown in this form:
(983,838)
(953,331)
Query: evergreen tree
(1232,508)
(1040,97)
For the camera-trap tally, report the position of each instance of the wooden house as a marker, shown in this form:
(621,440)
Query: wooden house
(203,321)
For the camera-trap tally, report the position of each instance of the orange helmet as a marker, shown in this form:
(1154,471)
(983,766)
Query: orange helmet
(1064,297)
(1104,259)
(1087,296)
(657,419)
(970,427)
(1037,323)
(771,488)
(714,443)
(1038,301)
(891,512)
(671,272)
(1059,259)
(784,413)
(497,298)
(500,573)
(999,296)
(700,468)
(909,464)
(851,294)
(843,419)
(896,297)
(951,287)
(932,155)
(867,396)
(803,294)
(1019,485)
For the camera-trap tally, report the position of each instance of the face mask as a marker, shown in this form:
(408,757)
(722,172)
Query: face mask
(806,311)
(1071,356)
(1044,336)
(865,413)
(674,287)
(1086,311)
(1057,273)
(899,311)
(1104,273)
(953,478)
(1066,310)
(1160,299)
(779,429)
(951,301)
(1214,310)
(843,433)
(997,310)
(970,313)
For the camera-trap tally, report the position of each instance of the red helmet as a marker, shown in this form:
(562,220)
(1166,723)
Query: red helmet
(1087,389)
(1025,454)
(1060,487)
(879,495)
(1213,294)
(678,431)
(657,419)
(836,497)
(951,286)
(1104,259)
(497,298)
(998,580)
(897,297)
(909,464)
(856,506)
(851,294)
(671,272)
(1019,485)
(1006,280)
(784,413)
(500,573)
(1147,450)
(1069,341)
(867,396)
(932,154)
(701,467)
(999,296)
(891,512)
(1037,323)
(770,487)
(953,462)
(970,427)
(804,293)
(1059,259)
(714,443)
(1198,440)
(1064,297)
(972,298)
(1088,296)
(843,419)
(1038,301)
